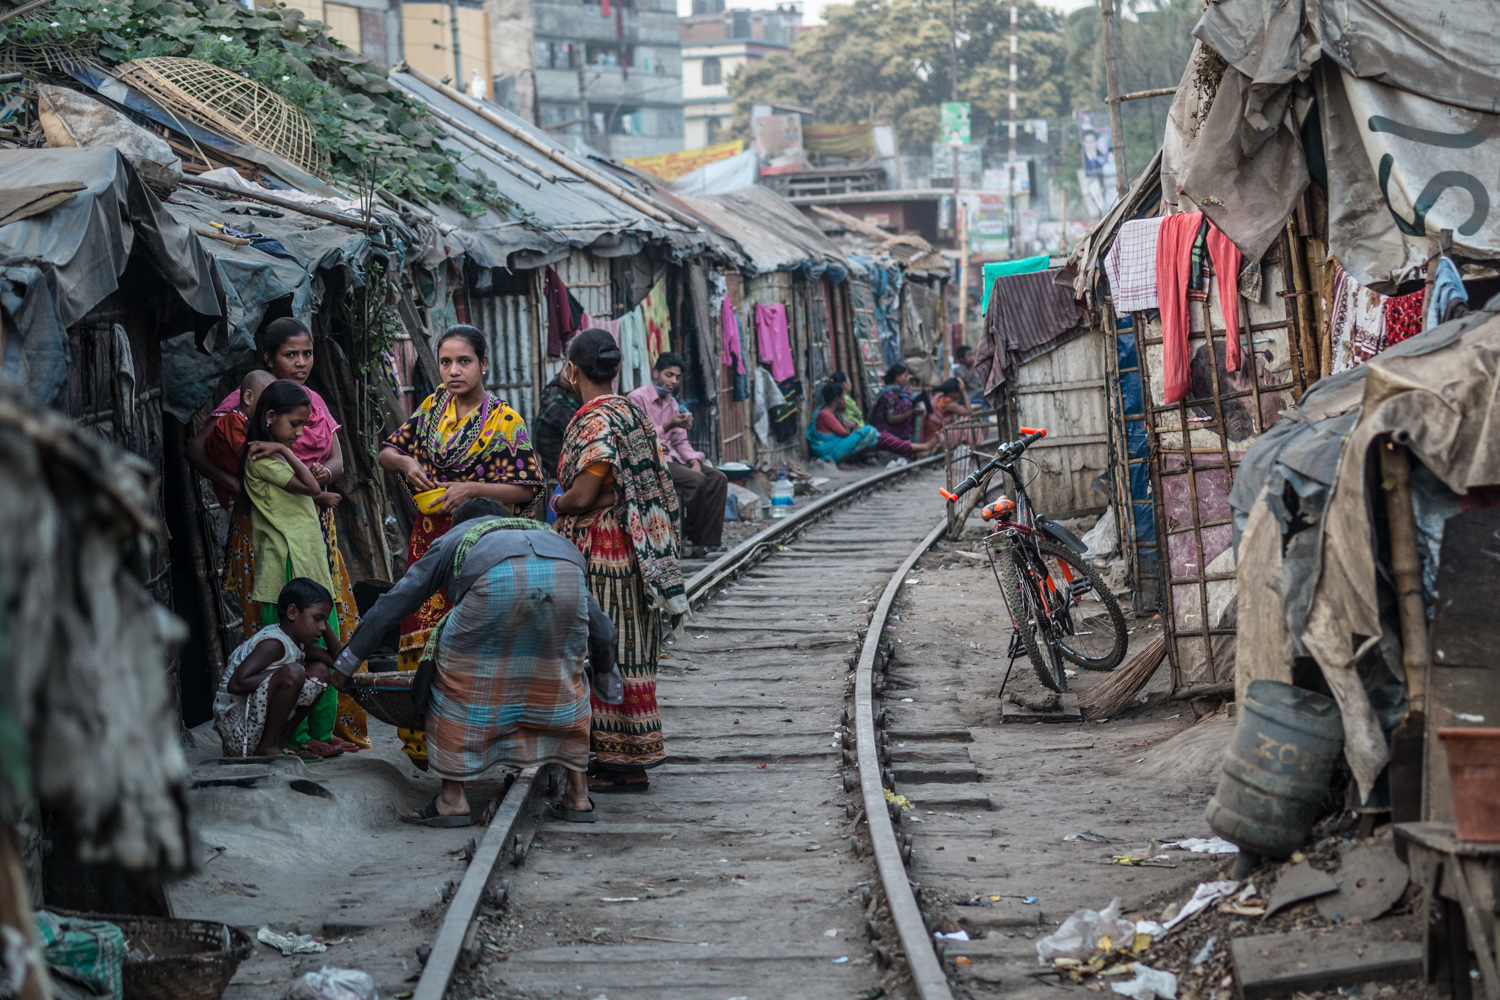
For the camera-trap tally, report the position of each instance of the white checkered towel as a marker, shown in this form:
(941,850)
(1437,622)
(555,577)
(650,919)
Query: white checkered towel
(1131,266)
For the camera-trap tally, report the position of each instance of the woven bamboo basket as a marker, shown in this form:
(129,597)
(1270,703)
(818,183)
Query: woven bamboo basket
(387,696)
(171,959)
(230,104)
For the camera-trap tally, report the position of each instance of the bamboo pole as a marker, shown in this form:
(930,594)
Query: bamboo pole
(286,203)
(1406,574)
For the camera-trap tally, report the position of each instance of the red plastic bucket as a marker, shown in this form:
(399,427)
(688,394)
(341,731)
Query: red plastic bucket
(1474,774)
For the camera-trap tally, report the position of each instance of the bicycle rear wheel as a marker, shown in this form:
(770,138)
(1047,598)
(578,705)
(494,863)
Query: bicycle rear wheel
(1089,625)
(1018,586)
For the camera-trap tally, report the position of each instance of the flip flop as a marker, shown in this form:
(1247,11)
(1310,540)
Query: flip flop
(618,785)
(306,756)
(429,816)
(571,815)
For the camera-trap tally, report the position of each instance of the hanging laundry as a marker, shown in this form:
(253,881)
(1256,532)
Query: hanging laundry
(1131,266)
(1174,264)
(658,322)
(1403,317)
(767,397)
(562,319)
(1199,270)
(729,327)
(1356,322)
(1449,297)
(634,359)
(773,343)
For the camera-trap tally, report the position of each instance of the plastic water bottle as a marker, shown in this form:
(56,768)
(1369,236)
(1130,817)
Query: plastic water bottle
(781,496)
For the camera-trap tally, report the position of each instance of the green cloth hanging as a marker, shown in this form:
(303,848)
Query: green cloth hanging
(999,270)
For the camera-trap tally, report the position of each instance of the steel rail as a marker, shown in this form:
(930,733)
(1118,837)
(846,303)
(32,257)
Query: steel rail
(921,957)
(456,931)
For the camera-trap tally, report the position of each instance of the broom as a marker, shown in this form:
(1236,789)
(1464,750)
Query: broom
(1119,690)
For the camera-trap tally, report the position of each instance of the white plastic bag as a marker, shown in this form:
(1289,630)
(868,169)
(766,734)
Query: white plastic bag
(1079,935)
(1103,539)
(1148,984)
(329,983)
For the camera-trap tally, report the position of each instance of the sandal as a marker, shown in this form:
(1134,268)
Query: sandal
(571,815)
(617,785)
(429,816)
(339,743)
(324,750)
(302,754)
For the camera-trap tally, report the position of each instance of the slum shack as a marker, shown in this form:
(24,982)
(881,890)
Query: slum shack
(1297,296)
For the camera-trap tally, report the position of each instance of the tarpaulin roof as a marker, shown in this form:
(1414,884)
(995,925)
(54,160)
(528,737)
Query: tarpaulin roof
(253,279)
(57,266)
(564,211)
(1405,115)
(1307,563)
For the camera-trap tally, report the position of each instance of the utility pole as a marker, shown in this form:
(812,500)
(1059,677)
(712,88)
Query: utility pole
(1116,115)
(583,91)
(953,54)
(458,63)
(1010,159)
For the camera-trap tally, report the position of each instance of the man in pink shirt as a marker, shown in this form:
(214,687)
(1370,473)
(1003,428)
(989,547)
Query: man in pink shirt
(702,488)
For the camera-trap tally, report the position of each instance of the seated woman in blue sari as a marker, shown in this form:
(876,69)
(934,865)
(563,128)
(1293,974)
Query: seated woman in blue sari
(831,439)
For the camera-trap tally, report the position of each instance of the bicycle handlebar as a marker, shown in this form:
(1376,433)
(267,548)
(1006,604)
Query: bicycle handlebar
(1007,452)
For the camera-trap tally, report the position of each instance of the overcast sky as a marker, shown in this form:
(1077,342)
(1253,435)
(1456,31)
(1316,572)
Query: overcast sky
(813,9)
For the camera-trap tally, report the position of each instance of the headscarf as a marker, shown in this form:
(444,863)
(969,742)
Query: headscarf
(316,442)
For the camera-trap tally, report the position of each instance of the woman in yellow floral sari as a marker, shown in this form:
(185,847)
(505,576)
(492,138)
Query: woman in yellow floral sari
(467,443)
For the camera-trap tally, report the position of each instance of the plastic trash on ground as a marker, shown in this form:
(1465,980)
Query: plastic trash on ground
(1207,894)
(1197,845)
(954,936)
(289,943)
(1148,984)
(329,983)
(1082,935)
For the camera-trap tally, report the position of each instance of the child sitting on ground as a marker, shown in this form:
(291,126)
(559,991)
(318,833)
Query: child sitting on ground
(220,459)
(269,686)
(282,496)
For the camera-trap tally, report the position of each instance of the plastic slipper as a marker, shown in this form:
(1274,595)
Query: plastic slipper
(339,743)
(429,816)
(306,756)
(618,785)
(324,750)
(571,815)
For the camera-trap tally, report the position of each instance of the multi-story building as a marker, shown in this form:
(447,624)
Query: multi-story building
(609,71)
(715,43)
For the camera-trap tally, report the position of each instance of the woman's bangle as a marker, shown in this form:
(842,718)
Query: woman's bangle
(552,502)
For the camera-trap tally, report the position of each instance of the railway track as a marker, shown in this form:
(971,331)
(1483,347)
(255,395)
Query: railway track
(763,862)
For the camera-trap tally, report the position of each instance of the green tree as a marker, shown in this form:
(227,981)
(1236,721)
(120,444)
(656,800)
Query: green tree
(892,59)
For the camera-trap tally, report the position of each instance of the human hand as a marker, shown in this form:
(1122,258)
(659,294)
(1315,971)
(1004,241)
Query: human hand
(679,420)
(263,449)
(320,473)
(455,495)
(696,465)
(414,473)
(329,500)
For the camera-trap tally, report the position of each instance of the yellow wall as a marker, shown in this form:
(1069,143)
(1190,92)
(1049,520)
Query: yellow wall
(429,42)
(342,19)
(343,23)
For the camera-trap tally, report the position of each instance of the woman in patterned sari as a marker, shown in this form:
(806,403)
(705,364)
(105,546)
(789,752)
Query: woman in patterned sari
(618,506)
(469,444)
(893,413)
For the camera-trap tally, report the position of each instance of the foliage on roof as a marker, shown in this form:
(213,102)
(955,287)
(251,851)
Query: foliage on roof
(360,118)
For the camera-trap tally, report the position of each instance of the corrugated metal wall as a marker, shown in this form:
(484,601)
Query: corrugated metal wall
(509,323)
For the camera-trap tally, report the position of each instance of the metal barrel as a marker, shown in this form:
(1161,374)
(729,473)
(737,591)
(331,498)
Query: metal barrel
(1276,771)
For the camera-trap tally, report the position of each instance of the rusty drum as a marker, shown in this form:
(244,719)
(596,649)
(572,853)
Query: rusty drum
(1276,772)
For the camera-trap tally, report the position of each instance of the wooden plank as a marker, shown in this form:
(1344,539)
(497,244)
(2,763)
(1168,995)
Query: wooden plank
(1270,966)
(1088,383)
(455,929)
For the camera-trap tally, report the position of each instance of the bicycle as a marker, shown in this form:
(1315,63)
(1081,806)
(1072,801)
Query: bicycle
(1060,609)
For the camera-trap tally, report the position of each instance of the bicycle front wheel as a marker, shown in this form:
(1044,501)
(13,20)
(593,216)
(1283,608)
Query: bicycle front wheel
(1020,580)
(1087,621)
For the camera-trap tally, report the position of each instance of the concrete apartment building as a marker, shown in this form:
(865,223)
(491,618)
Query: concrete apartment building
(715,43)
